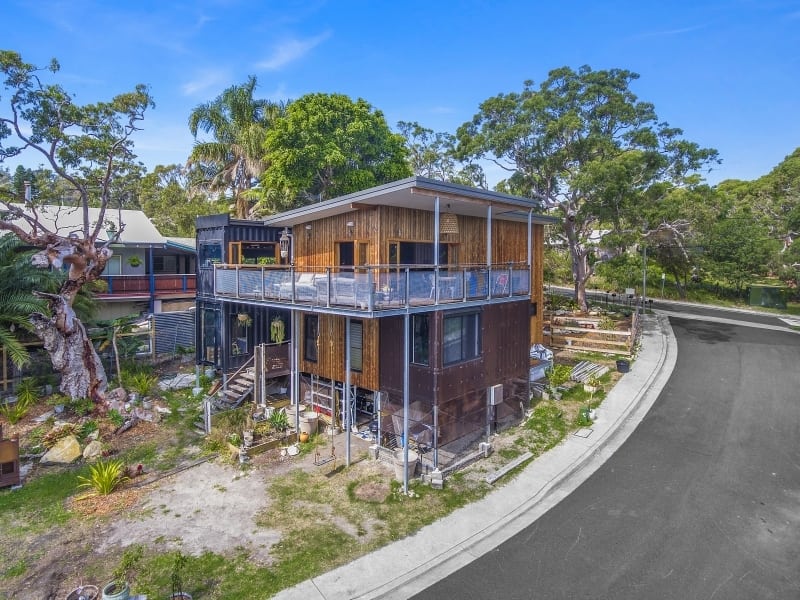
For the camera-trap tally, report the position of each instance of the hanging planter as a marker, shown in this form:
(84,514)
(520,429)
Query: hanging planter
(134,261)
(277,330)
(244,319)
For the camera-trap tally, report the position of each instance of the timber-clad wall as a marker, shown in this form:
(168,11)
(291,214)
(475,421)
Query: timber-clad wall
(331,351)
(377,226)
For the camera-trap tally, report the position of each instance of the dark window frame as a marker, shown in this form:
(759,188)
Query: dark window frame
(311,338)
(461,338)
(420,339)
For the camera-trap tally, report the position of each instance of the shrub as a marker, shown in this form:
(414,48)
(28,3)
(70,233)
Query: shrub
(51,437)
(14,411)
(82,406)
(104,477)
(142,383)
(279,421)
(116,418)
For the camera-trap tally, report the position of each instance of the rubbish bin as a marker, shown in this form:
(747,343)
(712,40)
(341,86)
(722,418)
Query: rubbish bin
(413,457)
(623,366)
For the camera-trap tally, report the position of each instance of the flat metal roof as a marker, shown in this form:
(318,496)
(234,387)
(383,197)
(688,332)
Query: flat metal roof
(419,193)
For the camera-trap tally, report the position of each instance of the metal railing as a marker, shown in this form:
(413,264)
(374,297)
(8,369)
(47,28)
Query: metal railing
(372,288)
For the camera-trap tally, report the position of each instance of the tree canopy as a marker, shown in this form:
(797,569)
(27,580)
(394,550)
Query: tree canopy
(586,147)
(327,145)
(234,159)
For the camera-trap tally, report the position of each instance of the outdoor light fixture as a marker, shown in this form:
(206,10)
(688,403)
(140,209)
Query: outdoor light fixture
(284,242)
(448,222)
(308,230)
(350,225)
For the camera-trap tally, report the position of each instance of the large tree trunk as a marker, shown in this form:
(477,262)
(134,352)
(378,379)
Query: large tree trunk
(581,269)
(71,351)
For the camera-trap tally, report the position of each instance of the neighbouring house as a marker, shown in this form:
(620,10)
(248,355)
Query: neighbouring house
(409,308)
(148,273)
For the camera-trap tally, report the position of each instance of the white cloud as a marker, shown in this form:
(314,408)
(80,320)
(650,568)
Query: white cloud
(204,80)
(290,51)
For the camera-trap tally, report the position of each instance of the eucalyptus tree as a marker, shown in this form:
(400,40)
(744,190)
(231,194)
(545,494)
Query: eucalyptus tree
(586,147)
(327,145)
(88,147)
(234,159)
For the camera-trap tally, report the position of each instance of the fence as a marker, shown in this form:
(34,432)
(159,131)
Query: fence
(159,335)
(584,333)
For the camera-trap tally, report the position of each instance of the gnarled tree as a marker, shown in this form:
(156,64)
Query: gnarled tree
(88,147)
(584,145)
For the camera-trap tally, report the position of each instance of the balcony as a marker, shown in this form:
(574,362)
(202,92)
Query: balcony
(139,286)
(370,289)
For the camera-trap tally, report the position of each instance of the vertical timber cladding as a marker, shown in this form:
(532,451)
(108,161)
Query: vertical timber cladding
(316,240)
(331,351)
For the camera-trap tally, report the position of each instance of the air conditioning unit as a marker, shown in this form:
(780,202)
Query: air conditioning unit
(496,394)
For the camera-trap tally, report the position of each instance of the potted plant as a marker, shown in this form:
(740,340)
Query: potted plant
(119,588)
(592,384)
(244,319)
(177,578)
(277,330)
(134,261)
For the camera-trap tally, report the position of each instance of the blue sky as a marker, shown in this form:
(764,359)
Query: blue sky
(726,72)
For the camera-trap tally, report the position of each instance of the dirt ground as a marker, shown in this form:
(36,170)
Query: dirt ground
(210,506)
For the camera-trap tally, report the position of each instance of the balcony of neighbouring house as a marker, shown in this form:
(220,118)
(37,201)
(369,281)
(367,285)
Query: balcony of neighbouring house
(368,288)
(144,286)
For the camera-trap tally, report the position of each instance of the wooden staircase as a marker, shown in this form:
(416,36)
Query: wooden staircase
(232,394)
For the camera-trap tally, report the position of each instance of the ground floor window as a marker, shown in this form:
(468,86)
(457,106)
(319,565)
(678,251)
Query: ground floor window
(420,341)
(462,338)
(310,337)
(356,345)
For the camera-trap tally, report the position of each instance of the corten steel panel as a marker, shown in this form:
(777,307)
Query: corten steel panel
(392,360)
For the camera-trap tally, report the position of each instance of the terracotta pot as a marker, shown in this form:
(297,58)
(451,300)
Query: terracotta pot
(303,437)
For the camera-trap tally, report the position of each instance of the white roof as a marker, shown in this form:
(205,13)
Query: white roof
(63,220)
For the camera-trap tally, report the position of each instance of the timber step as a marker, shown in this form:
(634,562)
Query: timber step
(586,369)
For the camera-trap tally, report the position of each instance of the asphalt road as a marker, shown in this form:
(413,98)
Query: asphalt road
(702,501)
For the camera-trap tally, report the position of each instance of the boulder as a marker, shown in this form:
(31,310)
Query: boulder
(93,450)
(65,451)
(116,397)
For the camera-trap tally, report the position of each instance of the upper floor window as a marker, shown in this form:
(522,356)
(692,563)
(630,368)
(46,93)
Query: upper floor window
(462,338)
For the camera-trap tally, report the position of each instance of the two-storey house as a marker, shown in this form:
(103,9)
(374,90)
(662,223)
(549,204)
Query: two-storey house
(410,306)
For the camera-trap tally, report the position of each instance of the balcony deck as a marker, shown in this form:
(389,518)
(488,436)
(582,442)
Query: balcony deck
(167,285)
(368,289)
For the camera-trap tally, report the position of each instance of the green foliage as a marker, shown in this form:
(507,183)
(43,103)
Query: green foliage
(583,417)
(327,145)
(58,433)
(585,144)
(104,477)
(233,160)
(127,566)
(141,382)
(38,505)
(15,411)
(558,375)
(279,421)
(116,419)
(82,406)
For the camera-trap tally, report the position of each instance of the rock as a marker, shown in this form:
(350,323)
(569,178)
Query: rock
(180,381)
(65,451)
(93,450)
(117,396)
